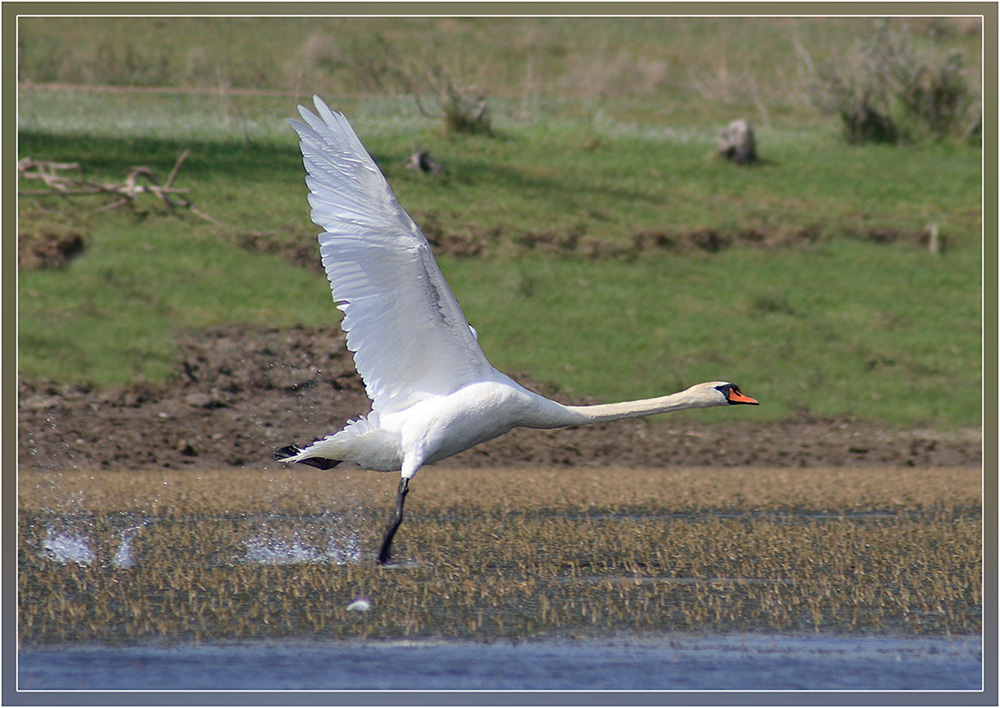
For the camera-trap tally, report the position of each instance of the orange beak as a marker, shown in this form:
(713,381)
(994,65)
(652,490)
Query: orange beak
(737,397)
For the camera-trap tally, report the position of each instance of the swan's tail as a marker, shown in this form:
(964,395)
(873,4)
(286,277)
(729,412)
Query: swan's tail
(362,443)
(291,453)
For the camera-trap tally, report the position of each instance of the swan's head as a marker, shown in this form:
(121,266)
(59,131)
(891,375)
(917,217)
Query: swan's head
(721,393)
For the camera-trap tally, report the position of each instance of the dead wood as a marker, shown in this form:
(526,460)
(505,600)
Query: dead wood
(139,180)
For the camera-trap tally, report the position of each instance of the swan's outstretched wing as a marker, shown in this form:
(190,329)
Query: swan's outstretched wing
(404,325)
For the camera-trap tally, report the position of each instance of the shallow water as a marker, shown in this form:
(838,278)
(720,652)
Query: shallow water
(682,662)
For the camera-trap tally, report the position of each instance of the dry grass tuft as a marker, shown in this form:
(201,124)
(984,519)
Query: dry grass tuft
(506,554)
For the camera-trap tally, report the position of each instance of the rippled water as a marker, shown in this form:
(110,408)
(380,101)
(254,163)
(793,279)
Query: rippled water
(683,662)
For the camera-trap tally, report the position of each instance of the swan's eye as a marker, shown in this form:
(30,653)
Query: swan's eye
(735,396)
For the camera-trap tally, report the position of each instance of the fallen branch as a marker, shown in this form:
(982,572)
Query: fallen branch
(140,180)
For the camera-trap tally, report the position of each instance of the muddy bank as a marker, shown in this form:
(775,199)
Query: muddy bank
(239,394)
(471,241)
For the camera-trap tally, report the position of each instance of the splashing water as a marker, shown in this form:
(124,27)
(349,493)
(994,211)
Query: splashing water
(269,550)
(65,547)
(123,556)
(276,550)
(344,550)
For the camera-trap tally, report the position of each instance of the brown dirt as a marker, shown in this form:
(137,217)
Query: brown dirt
(471,240)
(240,394)
(47,246)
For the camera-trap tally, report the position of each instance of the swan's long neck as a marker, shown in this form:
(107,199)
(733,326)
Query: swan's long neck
(556,415)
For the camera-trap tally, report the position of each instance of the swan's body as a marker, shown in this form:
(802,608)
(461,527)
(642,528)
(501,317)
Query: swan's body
(433,392)
(439,426)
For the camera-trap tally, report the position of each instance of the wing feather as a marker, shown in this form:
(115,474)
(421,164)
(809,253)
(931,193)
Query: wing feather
(409,336)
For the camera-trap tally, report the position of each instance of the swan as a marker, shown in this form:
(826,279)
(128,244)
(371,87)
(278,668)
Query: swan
(433,392)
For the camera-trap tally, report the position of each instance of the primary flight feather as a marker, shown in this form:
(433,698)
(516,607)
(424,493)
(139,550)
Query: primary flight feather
(433,391)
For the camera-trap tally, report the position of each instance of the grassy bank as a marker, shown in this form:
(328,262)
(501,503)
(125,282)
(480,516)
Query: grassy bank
(594,241)
(838,308)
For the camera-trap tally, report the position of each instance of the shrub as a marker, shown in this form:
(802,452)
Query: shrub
(886,90)
(463,109)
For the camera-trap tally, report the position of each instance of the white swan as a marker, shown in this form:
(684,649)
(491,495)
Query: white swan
(433,392)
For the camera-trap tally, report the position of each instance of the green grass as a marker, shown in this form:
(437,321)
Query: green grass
(833,324)
(114,314)
(606,182)
(694,61)
(847,327)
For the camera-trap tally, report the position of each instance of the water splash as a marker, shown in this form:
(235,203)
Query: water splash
(345,550)
(123,556)
(271,549)
(67,547)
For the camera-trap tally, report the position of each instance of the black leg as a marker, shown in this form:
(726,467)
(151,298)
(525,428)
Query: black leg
(394,521)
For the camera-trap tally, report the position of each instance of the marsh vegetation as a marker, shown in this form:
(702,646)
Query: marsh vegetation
(504,553)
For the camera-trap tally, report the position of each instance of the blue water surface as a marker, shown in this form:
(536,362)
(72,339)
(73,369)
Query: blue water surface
(682,662)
